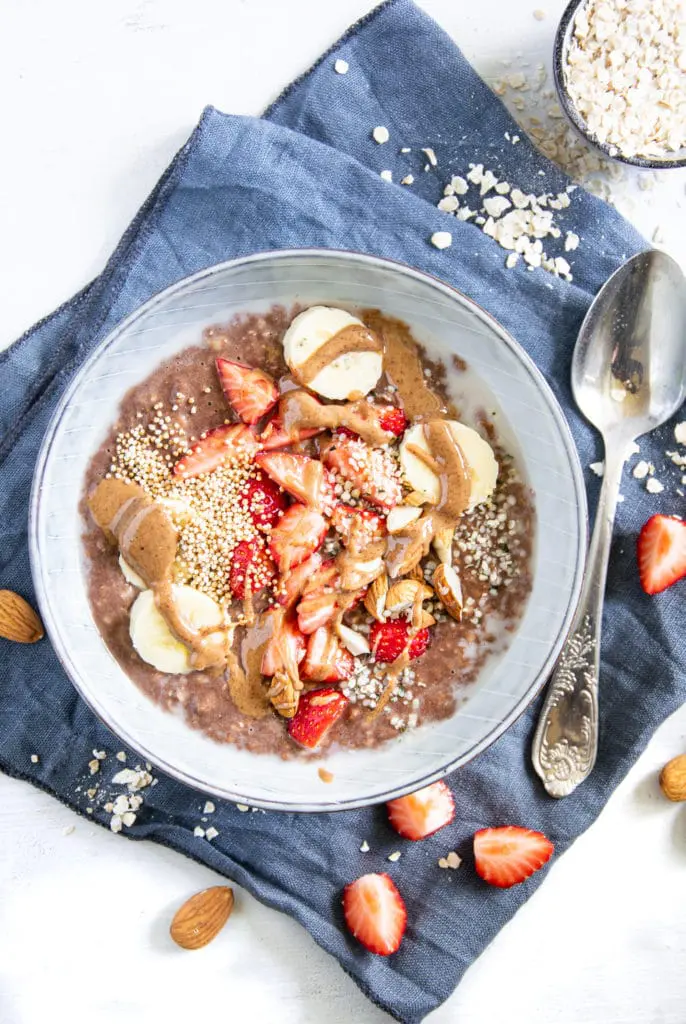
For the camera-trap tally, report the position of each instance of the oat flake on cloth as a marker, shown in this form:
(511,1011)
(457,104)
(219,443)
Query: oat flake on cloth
(307,174)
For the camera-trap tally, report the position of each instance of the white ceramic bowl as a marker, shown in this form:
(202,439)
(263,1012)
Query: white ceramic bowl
(528,418)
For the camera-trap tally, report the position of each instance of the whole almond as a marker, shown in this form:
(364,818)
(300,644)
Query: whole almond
(673,778)
(448,589)
(202,917)
(375,598)
(18,621)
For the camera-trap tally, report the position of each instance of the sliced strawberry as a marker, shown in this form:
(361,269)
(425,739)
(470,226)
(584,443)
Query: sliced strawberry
(661,553)
(274,435)
(251,392)
(286,645)
(317,711)
(325,576)
(509,855)
(368,525)
(304,478)
(250,562)
(326,661)
(223,444)
(371,470)
(375,913)
(263,500)
(393,419)
(422,813)
(316,609)
(389,639)
(295,581)
(299,533)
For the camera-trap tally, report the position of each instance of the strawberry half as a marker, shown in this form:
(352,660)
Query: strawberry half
(367,525)
(317,711)
(422,813)
(326,661)
(274,435)
(316,609)
(286,644)
(295,581)
(389,639)
(661,553)
(264,500)
(371,470)
(375,913)
(250,562)
(303,478)
(299,533)
(393,419)
(231,441)
(509,855)
(251,392)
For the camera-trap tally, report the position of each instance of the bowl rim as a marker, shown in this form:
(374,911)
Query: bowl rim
(537,683)
(560,47)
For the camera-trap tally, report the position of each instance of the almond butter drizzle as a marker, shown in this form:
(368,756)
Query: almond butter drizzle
(298,409)
(403,365)
(354,338)
(407,547)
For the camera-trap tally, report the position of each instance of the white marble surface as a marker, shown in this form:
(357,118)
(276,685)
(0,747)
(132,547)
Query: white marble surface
(97,99)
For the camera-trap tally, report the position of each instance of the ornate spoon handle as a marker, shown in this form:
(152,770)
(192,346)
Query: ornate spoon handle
(566,740)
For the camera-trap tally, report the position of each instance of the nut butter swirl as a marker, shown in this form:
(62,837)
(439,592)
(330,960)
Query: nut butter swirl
(354,338)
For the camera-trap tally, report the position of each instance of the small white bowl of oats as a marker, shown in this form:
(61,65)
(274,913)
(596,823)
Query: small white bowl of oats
(620,73)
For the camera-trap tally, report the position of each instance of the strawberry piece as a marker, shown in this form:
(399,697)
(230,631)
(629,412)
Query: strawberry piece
(375,913)
(509,855)
(303,478)
(389,639)
(420,814)
(299,533)
(223,444)
(264,500)
(274,435)
(661,553)
(286,646)
(368,525)
(317,711)
(250,562)
(326,661)
(316,609)
(371,470)
(295,581)
(393,419)
(251,392)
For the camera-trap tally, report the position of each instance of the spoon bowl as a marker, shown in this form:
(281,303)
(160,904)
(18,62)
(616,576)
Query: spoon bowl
(629,365)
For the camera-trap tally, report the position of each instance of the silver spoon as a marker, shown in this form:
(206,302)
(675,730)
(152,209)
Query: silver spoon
(628,377)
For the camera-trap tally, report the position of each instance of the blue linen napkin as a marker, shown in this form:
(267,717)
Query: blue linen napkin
(308,175)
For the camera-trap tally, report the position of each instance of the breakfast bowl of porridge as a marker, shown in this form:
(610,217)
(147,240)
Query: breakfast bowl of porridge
(307,530)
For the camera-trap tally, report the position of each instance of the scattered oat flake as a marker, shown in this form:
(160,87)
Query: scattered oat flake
(641,469)
(680,433)
(68,829)
(365,847)
(341,67)
(516,80)
(512,260)
(386,175)
(448,204)
(120,756)
(211,833)
(381,134)
(459,185)
(115,822)
(94,766)
(654,486)
(598,468)
(407,180)
(34,759)
(128,818)
(430,155)
(99,754)
(209,807)
(324,775)
(393,857)
(199,832)
(242,808)
(571,241)
(441,239)
(539,15)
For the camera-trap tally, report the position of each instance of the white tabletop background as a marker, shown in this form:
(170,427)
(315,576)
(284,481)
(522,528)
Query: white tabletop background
(97,97)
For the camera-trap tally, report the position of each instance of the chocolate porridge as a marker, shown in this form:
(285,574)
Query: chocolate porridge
(293,561)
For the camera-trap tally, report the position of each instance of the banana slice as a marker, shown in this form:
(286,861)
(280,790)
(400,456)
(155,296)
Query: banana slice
(130,575)
(477,452)
(151,636)
(348,375)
